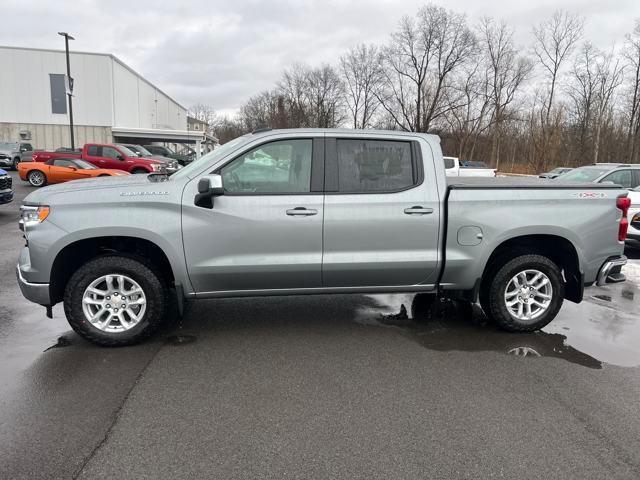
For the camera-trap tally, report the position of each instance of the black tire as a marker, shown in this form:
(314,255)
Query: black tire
(137,171)
(16,161)
(153,286)
(492,295)
(37,178)
(104,175)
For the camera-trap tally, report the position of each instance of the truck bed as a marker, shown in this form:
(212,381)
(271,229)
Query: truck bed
(483,183)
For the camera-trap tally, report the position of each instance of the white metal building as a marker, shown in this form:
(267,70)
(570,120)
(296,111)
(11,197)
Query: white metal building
(111,101)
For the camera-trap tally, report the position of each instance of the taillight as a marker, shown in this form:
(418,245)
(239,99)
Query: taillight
(623,203)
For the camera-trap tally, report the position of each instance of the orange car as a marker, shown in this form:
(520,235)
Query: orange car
(58,170)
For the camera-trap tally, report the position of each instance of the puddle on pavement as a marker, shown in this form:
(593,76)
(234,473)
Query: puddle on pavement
(603,329)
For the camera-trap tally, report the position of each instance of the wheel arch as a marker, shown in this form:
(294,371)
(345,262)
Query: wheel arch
(557,248)
(76,253)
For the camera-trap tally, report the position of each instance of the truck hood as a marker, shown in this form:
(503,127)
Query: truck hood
(8,151)
(125,183)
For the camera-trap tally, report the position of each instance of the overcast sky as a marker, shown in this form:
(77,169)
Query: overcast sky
(221,52)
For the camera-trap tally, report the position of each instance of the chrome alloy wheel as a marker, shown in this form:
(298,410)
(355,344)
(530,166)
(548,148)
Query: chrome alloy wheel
(36,178)
(114,303)
(528,295)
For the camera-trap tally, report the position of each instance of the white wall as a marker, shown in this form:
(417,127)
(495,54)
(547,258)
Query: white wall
(139,104)
(25,91)
(107,93)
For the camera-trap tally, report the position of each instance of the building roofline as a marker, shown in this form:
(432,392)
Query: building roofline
(109,55)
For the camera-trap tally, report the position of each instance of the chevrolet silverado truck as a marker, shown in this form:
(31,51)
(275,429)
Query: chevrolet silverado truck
(114,157)
(12,153)
(283,212)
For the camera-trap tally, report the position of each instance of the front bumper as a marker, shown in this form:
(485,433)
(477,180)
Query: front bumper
(6,197)
(611,271)
(6,162)
(34,292)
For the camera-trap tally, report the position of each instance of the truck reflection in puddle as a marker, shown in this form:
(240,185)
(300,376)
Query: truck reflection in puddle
(603,329)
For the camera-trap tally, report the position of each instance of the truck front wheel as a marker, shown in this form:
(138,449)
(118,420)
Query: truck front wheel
(525,293)
(115,300)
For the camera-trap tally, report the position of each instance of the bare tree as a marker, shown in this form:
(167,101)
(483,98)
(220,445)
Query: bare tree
(632,56)
(362,72)
(556,38)
(583,90)
(324,95)
(609,79)
(204,113)
(506,73)
(418,61)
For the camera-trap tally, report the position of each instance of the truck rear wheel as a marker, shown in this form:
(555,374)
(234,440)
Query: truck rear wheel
(115,300)
(525,293)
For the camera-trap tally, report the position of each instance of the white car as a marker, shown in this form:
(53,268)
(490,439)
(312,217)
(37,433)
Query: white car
(634,216)
(453,168)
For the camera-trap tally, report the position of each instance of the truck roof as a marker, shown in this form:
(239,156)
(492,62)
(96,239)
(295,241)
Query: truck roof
(345,131)
(523,183)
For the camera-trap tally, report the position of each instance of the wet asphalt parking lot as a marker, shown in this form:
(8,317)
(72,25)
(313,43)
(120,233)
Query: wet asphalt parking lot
(321,387)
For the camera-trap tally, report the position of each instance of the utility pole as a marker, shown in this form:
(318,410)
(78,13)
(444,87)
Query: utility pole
(69,85)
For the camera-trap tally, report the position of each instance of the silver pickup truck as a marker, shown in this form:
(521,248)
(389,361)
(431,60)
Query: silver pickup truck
(281,212)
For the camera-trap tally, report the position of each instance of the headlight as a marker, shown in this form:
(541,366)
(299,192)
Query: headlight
(30,216)
(157,167)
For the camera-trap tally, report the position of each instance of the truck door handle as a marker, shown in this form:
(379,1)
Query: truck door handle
(301,212)
(417,210)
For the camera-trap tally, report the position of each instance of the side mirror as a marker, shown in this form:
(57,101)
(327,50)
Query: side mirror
(209,186)
(22,150)
(73,169)
(119,157)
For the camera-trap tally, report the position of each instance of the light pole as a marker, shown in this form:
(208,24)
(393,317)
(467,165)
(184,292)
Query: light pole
(68,37)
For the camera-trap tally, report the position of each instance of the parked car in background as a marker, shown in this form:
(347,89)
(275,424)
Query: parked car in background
(143,152)
(555,173)
(112,157)
(455,168)
(634,217)
(6,191)
(59,170)
(343,211)
(68,150)
(625,175)
(167,152)
(12,153)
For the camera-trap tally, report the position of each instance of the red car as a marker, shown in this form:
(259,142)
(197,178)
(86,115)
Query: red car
(112,157)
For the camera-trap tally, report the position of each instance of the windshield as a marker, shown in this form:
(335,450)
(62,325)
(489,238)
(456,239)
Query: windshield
(142,151)
(127,152)
(216,154)
(8,145)
(588,174)
(84,165)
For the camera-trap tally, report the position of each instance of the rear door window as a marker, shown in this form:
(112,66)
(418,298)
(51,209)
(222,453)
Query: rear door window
(624,178)
(374,166)
(93,151)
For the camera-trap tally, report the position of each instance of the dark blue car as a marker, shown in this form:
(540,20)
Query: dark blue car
(6,193)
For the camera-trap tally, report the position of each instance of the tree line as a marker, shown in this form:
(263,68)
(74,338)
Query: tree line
(560,101)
